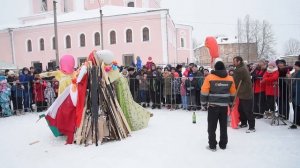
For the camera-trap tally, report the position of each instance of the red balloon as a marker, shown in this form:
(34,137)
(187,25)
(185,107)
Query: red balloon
(212,45)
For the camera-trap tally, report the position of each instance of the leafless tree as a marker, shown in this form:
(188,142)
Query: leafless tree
(292,47)
(261,33)
(266,48)
(239,35)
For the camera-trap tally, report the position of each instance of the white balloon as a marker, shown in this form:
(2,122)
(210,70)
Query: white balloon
(106,56)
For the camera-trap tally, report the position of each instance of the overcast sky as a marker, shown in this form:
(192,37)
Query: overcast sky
(208,17)
(215,17)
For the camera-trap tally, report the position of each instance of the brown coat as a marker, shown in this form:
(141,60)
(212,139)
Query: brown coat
(242,73)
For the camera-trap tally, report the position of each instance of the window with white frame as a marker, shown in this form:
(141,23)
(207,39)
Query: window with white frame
(128,36)
(44,6)
(29,46)
(68,41)
(146,34)
(97,39)
(82,40)
(42,44)
(182,42)
(112,37)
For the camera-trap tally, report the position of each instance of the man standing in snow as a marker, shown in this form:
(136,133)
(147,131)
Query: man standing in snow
(217,92)
(245,94)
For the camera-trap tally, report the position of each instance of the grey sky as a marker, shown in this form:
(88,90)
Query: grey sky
(208,17)
(215,17)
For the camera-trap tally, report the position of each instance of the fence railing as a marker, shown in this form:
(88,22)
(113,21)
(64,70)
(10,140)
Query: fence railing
(279,96)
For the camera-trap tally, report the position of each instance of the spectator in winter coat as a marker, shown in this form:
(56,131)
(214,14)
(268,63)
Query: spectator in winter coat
(49,94)
(26,80)
(259,88)
(217,92)
(18,91)
(270,79)
(191,92)
(296,94)
(245,94)
(183,94)
(167,88)
(138,63)
(149,63)
(176,100)
(5,93)
(283,99)
(39,87)
(144,89)
(133,84)
(179,70)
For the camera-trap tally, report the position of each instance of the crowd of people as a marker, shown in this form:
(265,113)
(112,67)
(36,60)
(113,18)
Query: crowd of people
(175,87)
(25,92)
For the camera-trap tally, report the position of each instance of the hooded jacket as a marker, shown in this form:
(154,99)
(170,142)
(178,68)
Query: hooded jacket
(218,89)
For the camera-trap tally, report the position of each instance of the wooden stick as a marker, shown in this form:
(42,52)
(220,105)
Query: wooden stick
(34,142)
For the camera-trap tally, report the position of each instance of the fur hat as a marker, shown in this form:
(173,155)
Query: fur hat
(219,66)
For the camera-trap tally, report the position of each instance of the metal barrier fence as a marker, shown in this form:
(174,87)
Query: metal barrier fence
(172,93)
(35,96)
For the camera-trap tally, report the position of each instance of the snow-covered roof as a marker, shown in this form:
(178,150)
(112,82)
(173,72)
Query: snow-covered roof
(84,14)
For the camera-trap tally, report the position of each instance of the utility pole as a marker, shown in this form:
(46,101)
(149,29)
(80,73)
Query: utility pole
(55,34)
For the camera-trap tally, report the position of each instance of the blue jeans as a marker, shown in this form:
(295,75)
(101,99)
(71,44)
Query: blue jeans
(143,96)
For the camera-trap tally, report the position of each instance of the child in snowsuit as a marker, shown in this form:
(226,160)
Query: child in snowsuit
(5,93)
(49,94)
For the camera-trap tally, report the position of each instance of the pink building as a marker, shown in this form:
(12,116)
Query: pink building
(131,28)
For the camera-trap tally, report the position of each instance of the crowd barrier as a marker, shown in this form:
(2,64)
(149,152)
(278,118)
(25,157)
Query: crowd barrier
(169,93)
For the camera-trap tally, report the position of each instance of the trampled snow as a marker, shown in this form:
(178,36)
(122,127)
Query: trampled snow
(170,141)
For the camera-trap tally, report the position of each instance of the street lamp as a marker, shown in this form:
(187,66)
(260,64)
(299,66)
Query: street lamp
(55,34)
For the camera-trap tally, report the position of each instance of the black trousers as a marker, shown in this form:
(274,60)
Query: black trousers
(259,103)
(215,114)
(246,113)
(270,103)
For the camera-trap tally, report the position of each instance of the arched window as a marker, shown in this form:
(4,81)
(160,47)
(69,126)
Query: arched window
(130,4)
(145,34)
(129,36)
(29,46)
(82,40)
(182,42)
(113,38)
(53,43)
(68,41)
(42,44)
(97,39)
(44,6)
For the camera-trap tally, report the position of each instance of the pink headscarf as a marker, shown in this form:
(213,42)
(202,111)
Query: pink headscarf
(67,64)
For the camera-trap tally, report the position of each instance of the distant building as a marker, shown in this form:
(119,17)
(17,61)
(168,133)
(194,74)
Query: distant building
(131,28)
(228,50)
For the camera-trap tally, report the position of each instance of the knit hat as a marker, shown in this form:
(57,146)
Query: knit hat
(219,66)
(272,63)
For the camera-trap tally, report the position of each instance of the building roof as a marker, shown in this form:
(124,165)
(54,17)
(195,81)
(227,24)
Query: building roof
(81,15)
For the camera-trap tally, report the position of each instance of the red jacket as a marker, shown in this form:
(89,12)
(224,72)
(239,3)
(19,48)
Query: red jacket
(271,82)
(257,76)
(38,91)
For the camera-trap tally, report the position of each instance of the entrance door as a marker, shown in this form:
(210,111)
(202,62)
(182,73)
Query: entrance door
(128,59)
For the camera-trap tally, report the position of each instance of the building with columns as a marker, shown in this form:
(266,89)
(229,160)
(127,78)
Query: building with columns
(131,28)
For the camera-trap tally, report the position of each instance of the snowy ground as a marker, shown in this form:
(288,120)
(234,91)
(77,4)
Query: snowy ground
(170,141)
